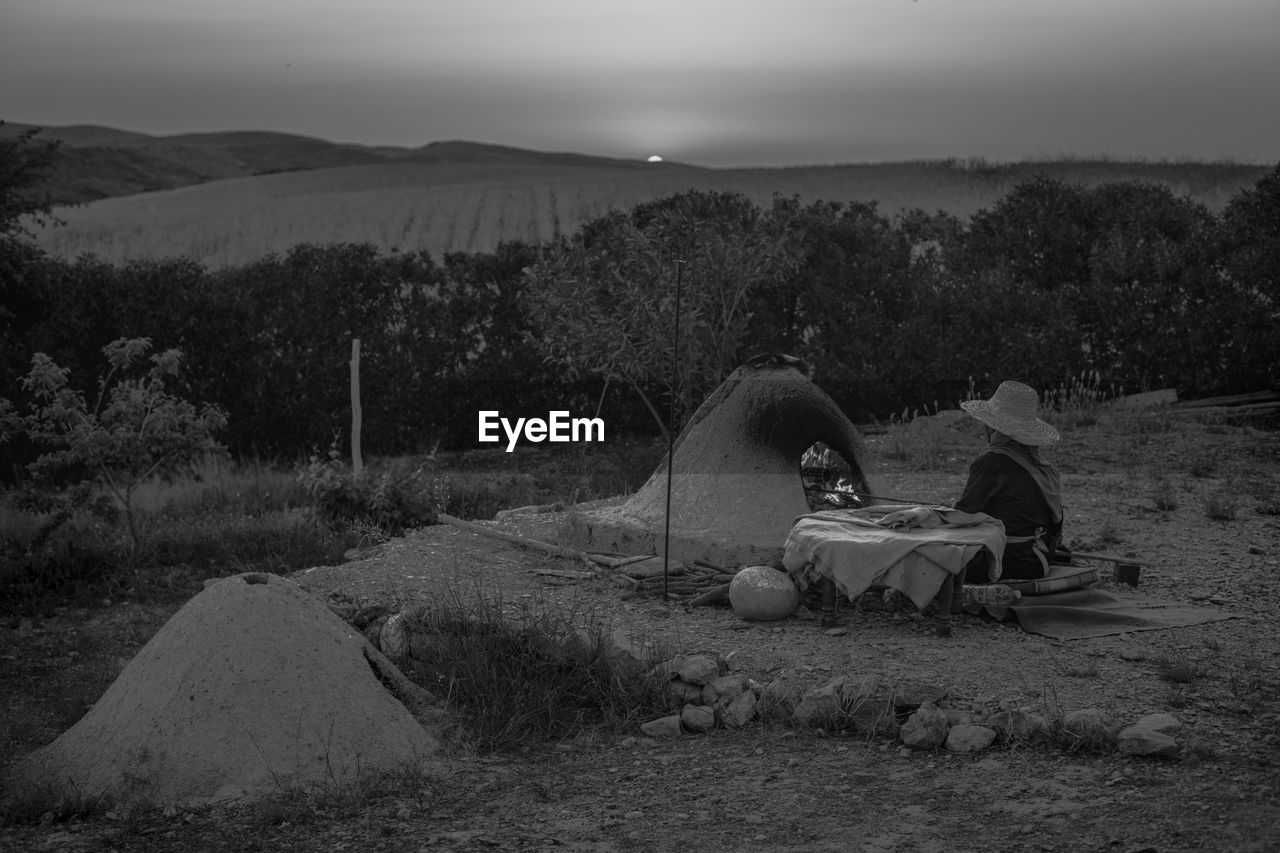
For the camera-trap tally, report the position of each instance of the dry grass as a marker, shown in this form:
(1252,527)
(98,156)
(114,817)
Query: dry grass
(1078,402)
(1163,495)
(1221,505)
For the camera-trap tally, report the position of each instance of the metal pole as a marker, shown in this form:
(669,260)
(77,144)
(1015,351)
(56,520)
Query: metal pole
(671,417)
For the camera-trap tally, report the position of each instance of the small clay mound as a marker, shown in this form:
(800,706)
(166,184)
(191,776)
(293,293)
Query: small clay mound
(736,485)
(252,686)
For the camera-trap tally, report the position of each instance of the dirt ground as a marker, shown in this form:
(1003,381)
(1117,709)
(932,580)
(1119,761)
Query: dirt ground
(769,788)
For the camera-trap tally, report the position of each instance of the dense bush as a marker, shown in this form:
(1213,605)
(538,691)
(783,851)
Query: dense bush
(1145,288)
(389,500)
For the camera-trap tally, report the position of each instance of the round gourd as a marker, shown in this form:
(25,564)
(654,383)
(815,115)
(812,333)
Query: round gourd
(762,594)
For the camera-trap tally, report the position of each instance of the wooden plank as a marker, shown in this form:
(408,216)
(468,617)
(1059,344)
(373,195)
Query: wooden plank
(1108,558)
(1243,409)
(1231,400)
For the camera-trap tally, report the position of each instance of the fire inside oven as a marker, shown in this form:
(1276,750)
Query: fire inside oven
(828,481)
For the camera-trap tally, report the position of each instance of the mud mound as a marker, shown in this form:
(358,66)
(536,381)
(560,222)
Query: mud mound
(252,686)
(736,487)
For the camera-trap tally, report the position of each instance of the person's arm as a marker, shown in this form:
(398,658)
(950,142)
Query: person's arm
(982,485)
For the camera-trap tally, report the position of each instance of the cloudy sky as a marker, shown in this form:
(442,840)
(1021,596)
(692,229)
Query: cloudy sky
(714,82)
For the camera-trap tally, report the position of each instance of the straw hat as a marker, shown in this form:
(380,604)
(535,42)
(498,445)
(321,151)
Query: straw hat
(1012,410)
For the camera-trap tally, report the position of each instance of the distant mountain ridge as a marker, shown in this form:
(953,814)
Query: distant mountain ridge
(229,198)
(105,162)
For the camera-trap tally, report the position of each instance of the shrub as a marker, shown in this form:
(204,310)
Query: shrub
(522,674)
(66,552)
(393,499)
(1221,505)
(134,432)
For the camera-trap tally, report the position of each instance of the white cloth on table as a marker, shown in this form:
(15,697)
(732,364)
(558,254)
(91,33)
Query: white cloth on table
(857,548)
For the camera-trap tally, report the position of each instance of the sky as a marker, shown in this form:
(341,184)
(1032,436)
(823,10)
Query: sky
(722,83)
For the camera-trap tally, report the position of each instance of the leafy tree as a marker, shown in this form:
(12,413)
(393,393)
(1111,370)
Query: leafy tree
(1040,232)
(25,164)
(1251,225)
(841,307)
(1151,280)
(605,301)
(135,430)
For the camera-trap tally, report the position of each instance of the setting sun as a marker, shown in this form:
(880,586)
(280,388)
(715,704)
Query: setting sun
(654,158)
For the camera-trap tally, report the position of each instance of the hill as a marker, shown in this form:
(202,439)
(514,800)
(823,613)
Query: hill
(104,162)
(228,198)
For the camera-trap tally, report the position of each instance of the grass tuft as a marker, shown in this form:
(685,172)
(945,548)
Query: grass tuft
(521,673)
(1221,505)
(1078,401)
(1164,495)
(1178,670)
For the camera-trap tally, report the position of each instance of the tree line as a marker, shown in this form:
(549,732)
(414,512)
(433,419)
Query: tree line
(1147,288)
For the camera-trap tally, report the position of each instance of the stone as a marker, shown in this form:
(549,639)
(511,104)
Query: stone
(1091,724)
(698,718)
(874,715)
(683,691)
(621,648)
(1139,741)
(1163,723)
(763,594)
(1151,735)
(699,670)
(820,707)
(741,711)
(662,727)
(926,728)
(1017,725)
(968,738)
(911,695)
(723,690)
(393,639)
(957,717)
(781,690)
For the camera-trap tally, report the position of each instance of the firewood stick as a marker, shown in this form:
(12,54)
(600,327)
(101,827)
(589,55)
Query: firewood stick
(707,564)
(547,547)
(712,596)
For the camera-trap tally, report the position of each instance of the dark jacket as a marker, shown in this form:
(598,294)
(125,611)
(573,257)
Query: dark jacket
(1001,486)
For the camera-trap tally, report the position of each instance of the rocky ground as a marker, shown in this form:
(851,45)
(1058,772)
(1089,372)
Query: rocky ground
(1197,500)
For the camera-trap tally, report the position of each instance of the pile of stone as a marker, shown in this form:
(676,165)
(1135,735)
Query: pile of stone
(705,695)
(914,713)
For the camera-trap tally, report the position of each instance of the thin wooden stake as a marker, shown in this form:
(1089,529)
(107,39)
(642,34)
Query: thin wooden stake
(357,461)
(671,424)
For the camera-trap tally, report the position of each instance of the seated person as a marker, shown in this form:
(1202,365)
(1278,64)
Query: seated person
(1009,481)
